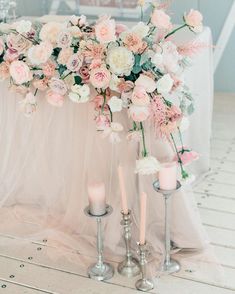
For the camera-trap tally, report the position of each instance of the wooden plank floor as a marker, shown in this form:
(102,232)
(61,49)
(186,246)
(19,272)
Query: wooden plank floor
(27,269)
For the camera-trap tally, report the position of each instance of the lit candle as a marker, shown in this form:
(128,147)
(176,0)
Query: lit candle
(143,202)
(123,190)
(168,176)
(96,198)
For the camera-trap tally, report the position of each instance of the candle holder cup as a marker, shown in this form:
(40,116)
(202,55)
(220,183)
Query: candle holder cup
(170,265)
(144,284)
(101,270)
(129,267)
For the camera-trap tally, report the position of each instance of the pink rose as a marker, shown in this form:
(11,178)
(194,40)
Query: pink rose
(64,39)
(48,68)
(11,55)
(58,86)
(140,97)
(193,18)
(161,20)
(4,71)
(20,72)
(186,155)
(54,98)
(105,30)
(120,28)
(146,82)
(84,74)
(75,62)
(139,113)
(133,42)
(18,43)
(100,77)
(102,122)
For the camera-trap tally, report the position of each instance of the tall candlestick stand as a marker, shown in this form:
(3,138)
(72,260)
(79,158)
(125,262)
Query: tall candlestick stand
(100,270)
(129,267)
(170,265)
(143,284)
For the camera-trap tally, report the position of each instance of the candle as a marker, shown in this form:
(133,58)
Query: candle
(168,176)
(96,198)
(143,200)
(123,190)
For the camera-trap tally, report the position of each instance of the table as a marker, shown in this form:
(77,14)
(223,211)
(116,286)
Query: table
(47,162)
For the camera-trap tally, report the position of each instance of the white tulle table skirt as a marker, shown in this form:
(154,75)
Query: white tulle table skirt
(46,163)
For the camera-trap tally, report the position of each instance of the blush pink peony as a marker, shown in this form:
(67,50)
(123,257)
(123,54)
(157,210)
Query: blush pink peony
(54,98)
(140,97)
(105,30)
(161,20)
(139,113)
(20,72)
(186,155)
(100,77)
(194,18)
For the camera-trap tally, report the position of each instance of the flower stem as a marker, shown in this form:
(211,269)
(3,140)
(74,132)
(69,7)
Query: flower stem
(144,152)
(103,105)
(175,30)
(36,91)
(183,172)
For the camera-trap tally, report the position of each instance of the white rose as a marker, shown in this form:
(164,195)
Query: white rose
(77,98)
(81,90)
(140,29)
(84,91)
(147,165)
(28,105)
(50,31)
(39,54)
(146,82)
(23,26)
(157,59)
(115,104)
(164,84)
(121,61)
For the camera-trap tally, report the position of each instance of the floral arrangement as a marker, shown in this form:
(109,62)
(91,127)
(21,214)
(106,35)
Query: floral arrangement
(138,70)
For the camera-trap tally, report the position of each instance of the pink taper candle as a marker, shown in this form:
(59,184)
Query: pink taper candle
(143,203)
(123,190)
(168,176)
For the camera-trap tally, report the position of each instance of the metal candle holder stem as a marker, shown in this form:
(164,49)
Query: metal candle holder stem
(100,270)
(129,267)
(170,265)
(143,284)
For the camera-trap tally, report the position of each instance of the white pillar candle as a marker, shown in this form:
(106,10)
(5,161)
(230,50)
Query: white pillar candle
(96,198)
(123,190)
(143,203)
(168,176)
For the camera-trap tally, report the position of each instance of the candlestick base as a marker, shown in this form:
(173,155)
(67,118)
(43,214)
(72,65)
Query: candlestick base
(102,272)
(129,267)
(171,267)
(144,285)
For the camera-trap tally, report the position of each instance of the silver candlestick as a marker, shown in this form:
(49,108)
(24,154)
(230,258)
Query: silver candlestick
(170,265)
(129,267)
(143,284)
(101,270)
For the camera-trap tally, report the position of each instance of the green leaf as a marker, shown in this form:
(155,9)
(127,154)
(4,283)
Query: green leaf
(78,80)
(190,109)
(56,51)
(62,69)
(136,69)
